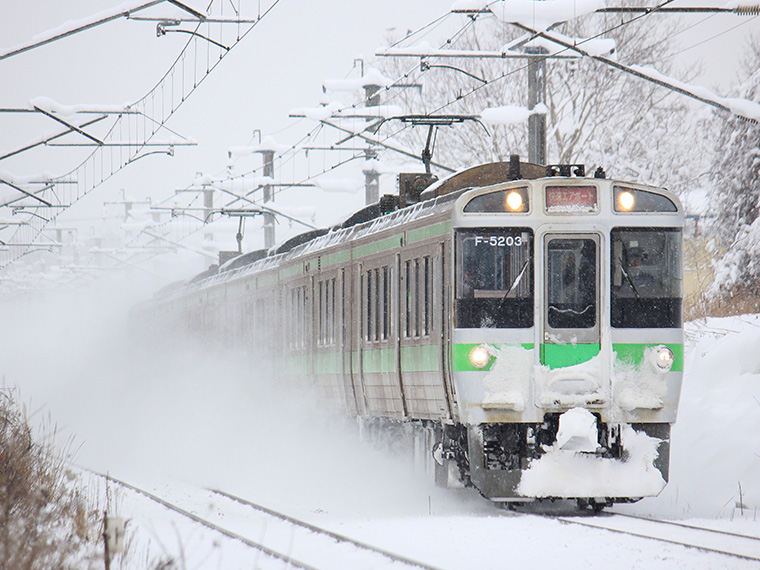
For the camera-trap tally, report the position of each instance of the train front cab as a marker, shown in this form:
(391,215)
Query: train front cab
(567,343)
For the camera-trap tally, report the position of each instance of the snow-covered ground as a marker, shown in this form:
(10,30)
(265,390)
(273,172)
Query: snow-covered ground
(185,420)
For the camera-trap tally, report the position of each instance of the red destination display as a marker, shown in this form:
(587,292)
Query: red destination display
(571,198)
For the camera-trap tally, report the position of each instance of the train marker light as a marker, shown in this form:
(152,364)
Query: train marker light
(661,358)
(514,201)
(480,356)
(626,201)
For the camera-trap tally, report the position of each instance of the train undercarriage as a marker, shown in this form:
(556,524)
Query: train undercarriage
(519,463)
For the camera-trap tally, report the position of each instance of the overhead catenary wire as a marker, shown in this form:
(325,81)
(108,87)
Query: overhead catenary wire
(282,158)
(87,173)
(293,151)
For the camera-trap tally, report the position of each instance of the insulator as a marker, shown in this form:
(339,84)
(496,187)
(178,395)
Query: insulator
(747,10)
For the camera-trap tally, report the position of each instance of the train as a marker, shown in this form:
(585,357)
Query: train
(524,321)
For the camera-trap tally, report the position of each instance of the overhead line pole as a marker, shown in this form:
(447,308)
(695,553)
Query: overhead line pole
(636,72)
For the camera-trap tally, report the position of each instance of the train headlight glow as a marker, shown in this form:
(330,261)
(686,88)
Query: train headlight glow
(480,356)
(626,201)
(514,201)
(661,358)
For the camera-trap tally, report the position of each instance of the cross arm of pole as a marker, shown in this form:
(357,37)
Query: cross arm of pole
(3,181)
(663,81)
(384,145)
(69,125)
(258,210)
(177,244)
(85,25)
(46,140)
(742,11)
(739,10)
(263,210)
(187,9)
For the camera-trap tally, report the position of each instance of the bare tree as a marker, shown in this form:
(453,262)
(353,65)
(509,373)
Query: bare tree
(736,197)
(596,115)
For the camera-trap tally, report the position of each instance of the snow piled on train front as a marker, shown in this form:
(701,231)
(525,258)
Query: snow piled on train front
(566,471)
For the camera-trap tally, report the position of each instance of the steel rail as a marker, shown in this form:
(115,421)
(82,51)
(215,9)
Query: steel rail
(208,524)
(335,536)
(745,546)
(685,525)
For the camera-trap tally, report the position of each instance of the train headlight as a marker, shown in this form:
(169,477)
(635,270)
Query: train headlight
(515,201)
(661,358)
(480,356)
(626,201)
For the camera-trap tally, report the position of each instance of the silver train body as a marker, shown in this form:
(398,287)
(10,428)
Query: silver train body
(531,324)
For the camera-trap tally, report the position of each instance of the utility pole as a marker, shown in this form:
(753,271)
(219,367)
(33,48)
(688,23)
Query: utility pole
(536,95)
(371,176)
(268,157)
(208,208)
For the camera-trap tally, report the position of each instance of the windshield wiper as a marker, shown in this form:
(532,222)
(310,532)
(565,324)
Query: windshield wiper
(514,283)
(630,281)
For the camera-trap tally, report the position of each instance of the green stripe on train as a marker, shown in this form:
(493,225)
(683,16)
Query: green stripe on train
(327,363)
(377,247)
(428,232)
(297,365)
(381,360)
(286,272)
(333,258)
(423,358)
(633,353)
(564,355)
(461,356)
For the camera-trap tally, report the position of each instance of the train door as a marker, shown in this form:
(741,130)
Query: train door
(571,323)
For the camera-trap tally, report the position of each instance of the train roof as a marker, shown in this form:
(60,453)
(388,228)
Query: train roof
(388,212)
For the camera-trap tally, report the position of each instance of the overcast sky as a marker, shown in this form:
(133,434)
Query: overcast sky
(278,67)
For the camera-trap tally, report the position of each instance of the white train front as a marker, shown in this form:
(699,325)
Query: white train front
(529,327)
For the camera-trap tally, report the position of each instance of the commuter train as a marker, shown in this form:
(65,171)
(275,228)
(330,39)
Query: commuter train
(526,321)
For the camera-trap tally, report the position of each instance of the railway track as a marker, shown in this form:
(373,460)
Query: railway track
(281,537)
(707,539)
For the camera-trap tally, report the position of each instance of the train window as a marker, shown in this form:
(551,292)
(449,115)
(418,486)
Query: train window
(291,320)
(571,283)
(418,287)
(326,312)
(331,313)
(386,305)
(368,328)
(410,300)
(426,290)
(297,338)
(647,281)
(305,321)
(510,201)
(320,314)
(377,304)
(635,200)
(494,278)
(417,297)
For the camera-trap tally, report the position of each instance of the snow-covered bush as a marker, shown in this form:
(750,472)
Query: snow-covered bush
(44,522)
(736,196)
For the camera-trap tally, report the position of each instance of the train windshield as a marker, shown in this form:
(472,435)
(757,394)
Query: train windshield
(571,283)
(647,281)
(494,281)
